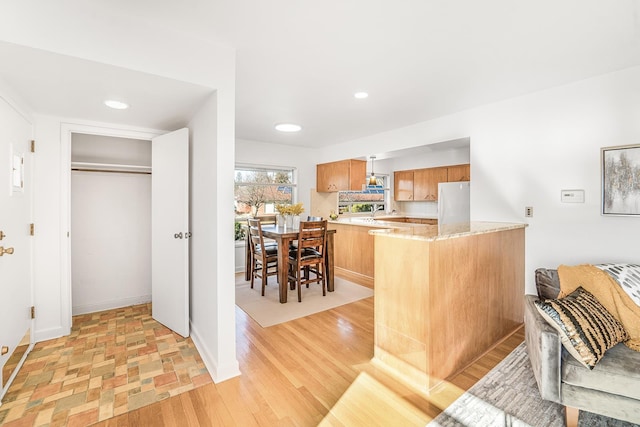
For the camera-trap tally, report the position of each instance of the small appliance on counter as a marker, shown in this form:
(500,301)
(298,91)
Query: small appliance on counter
(454,200)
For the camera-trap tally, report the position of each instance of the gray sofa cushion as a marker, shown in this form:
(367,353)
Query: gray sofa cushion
(547,283)
(617,373)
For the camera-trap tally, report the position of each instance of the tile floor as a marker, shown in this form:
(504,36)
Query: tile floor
(113,362)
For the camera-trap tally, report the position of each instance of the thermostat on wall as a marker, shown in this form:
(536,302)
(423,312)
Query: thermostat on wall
(572,196)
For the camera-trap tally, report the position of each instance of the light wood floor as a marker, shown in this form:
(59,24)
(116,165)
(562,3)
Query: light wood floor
(308,372)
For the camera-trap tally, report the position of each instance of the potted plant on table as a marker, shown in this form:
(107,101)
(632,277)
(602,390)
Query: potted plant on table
(290,214)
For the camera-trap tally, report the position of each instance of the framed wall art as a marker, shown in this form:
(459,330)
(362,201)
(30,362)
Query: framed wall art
(621,180)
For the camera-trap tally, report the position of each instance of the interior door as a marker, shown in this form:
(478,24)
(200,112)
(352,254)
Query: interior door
(15,239)
(170,230)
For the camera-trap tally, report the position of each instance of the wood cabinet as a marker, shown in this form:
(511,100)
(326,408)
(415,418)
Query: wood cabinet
(435,317)
(425,183)
(341,176)
(421,185)
(400,219)
(353,253)
(403,186)
(427,221)
(459,173)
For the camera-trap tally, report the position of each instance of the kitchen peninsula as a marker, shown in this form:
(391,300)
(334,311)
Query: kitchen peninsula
(444,296)
(354,245)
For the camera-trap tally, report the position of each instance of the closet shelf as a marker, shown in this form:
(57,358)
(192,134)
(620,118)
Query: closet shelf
(109,167)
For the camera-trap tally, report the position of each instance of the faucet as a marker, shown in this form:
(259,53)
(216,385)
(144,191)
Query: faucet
(376,209)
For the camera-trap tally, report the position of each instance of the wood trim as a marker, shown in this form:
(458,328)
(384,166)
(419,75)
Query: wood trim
(354,277)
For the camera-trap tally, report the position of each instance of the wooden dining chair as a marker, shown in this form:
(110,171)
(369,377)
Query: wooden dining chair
(309,269)
(312,244)
(294,246)
(264,257)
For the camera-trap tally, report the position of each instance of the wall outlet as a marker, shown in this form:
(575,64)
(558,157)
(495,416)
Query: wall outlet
(528,211)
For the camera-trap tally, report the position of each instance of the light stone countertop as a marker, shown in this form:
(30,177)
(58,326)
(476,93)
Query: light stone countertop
(436,232)
(377,222)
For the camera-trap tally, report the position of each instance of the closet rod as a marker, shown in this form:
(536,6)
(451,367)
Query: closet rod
(109,171)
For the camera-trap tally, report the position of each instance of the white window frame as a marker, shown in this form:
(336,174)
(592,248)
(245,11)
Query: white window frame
(386,197)
(272,168)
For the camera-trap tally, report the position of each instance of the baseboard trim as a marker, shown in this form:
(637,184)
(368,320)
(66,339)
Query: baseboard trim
(218,373)
(354,277)
(109,305)
(50,334)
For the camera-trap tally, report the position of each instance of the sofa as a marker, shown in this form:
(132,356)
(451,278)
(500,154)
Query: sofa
(611,388)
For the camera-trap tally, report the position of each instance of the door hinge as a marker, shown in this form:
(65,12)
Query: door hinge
(33,312)
(32,229)
(33,146)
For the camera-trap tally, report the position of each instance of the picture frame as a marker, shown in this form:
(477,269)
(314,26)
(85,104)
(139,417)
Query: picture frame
(620,167)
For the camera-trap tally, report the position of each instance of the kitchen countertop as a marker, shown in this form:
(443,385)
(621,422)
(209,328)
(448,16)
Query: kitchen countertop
(435,232)
(377,222)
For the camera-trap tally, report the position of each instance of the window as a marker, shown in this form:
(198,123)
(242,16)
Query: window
(372,198)
(257,189)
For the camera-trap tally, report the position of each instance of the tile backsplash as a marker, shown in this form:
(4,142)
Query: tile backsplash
(417,208)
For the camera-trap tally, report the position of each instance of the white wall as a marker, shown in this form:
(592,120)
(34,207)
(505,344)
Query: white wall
(525,150)
(212,263)
(105,149)
(110,240)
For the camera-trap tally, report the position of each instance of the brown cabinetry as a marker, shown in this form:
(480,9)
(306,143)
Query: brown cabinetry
(427,221)
(459,173)
(341,176)
(425,183)
(403,186)
(418,336)
(421,185)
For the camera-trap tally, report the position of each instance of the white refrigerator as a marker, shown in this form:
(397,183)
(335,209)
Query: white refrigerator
(454,202)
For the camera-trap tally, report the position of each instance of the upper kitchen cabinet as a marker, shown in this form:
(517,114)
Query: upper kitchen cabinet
(403,186)
(425,183)
(343,175)
(459,173)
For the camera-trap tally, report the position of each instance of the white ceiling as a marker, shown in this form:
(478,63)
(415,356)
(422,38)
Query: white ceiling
(76,88)
(301,61)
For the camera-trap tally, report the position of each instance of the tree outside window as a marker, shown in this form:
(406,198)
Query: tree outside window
(257,190)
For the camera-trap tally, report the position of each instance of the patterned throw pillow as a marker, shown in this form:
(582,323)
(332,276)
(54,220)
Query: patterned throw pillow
(586,328)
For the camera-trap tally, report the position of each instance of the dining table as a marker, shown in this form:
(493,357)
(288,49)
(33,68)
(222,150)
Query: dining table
(284,236)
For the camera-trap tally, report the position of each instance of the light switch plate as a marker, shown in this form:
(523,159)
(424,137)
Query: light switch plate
(572,196)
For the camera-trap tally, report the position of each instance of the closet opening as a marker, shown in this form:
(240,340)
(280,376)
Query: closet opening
(110,222)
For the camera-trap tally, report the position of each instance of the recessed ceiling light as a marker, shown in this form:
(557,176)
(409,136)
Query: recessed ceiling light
(288,127)
(360,95)
(118,105)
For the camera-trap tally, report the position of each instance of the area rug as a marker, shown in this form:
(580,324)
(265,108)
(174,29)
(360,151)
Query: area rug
(508,396)
(268,311)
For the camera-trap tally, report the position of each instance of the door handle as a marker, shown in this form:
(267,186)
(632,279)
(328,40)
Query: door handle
(2,235)
(8,251)
(178,235)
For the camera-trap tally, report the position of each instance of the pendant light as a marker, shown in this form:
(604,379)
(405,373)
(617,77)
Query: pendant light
(372,179)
